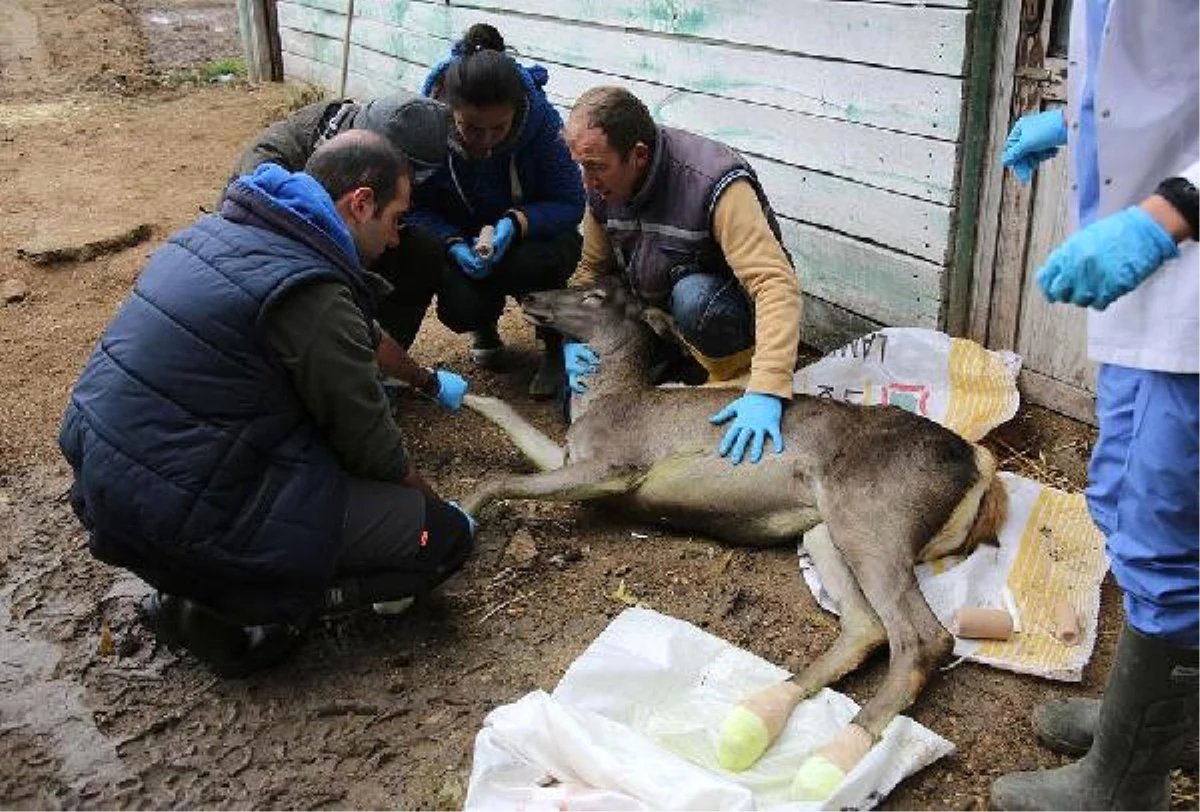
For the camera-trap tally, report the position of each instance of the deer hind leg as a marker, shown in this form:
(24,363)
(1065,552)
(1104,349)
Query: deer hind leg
(754,724)
(883,566)
(577,482)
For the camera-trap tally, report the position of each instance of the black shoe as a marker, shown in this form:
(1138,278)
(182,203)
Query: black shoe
(673,364)
(486,347)
(228,649)
(551,375)
(161,614)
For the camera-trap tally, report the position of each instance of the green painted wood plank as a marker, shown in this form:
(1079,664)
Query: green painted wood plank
(908,164)
(905,224)
(916,103)
(327,75)
(907,37)
(827,326)
(874,282)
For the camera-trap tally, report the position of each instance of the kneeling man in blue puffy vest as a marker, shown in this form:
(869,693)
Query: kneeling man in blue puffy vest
(231,442)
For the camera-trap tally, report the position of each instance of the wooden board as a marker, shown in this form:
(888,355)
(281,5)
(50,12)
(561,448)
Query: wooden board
(1073,401)
(1051,338)
(906,224)
(826,326)
(912,165)
(874,282)
(992,183)
(903,101)
(908,37)
(858,157)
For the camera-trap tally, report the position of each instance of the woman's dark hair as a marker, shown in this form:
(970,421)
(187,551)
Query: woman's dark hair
(481,74)
(479,37)
(357,158)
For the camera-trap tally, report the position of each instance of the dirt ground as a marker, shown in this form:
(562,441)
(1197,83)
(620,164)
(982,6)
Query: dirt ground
(100,133)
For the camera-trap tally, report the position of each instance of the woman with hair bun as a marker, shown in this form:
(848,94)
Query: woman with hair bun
(510,176)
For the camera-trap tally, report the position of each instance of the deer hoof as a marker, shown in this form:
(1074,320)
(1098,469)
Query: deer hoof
(744,738)
(816,779)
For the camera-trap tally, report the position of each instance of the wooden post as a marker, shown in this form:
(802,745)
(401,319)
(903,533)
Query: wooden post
(991,173)
(256,24)
(346,48)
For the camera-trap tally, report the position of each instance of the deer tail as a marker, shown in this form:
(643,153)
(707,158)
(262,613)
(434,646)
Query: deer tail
(993,506)
(977,517)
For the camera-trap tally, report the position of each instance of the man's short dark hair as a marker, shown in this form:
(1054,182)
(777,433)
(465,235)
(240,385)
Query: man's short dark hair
(358,158)
(619,114)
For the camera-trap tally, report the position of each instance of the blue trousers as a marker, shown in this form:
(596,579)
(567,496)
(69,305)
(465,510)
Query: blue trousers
(713,314)
(1143,495)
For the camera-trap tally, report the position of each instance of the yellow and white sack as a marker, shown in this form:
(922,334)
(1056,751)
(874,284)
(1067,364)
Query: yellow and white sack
(952,381)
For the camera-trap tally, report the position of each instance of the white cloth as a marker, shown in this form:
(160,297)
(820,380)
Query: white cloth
(1147,129)
(634,724)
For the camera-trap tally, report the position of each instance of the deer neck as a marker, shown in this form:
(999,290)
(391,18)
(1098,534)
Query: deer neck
(624,368)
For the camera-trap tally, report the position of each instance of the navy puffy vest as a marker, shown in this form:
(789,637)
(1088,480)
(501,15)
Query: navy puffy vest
(196,465)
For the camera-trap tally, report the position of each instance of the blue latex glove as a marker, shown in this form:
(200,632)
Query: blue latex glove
(1035,137)
(472,525)
(505,231)
(756,416)
(471,263)
(451,389)
(580,360)
(1104,261)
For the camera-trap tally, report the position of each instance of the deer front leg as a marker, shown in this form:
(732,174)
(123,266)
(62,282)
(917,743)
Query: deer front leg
(754,724)
(544,453)
(576,482)
(882,563)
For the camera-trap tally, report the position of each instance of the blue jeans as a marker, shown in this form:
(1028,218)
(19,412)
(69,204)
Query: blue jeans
(1143,495)
(713,314)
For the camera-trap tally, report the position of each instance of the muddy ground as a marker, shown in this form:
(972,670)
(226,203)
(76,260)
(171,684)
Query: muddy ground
(101,132)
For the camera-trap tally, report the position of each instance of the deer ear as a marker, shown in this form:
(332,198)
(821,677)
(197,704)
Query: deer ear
(660,322)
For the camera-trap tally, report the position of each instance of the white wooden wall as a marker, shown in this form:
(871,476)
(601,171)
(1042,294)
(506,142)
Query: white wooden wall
(850,111)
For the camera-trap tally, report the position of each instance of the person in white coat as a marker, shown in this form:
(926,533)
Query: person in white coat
(1133,127)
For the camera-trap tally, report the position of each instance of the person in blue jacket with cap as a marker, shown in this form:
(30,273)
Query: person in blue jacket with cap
(1133,128)
(508,173)
(419,129)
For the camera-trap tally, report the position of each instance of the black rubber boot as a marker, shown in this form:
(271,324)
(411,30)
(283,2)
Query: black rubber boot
(228,649)
(1068,725)
(1144,719)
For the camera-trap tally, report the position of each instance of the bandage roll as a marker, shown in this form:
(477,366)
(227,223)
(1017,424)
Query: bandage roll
(977,623)
(848,747)
(483,245)
(1066,623)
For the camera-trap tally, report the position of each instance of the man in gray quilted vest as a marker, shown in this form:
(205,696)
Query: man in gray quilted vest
(684,220)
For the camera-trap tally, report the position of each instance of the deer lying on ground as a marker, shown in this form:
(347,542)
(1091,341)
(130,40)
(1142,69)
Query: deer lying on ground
(891,487)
